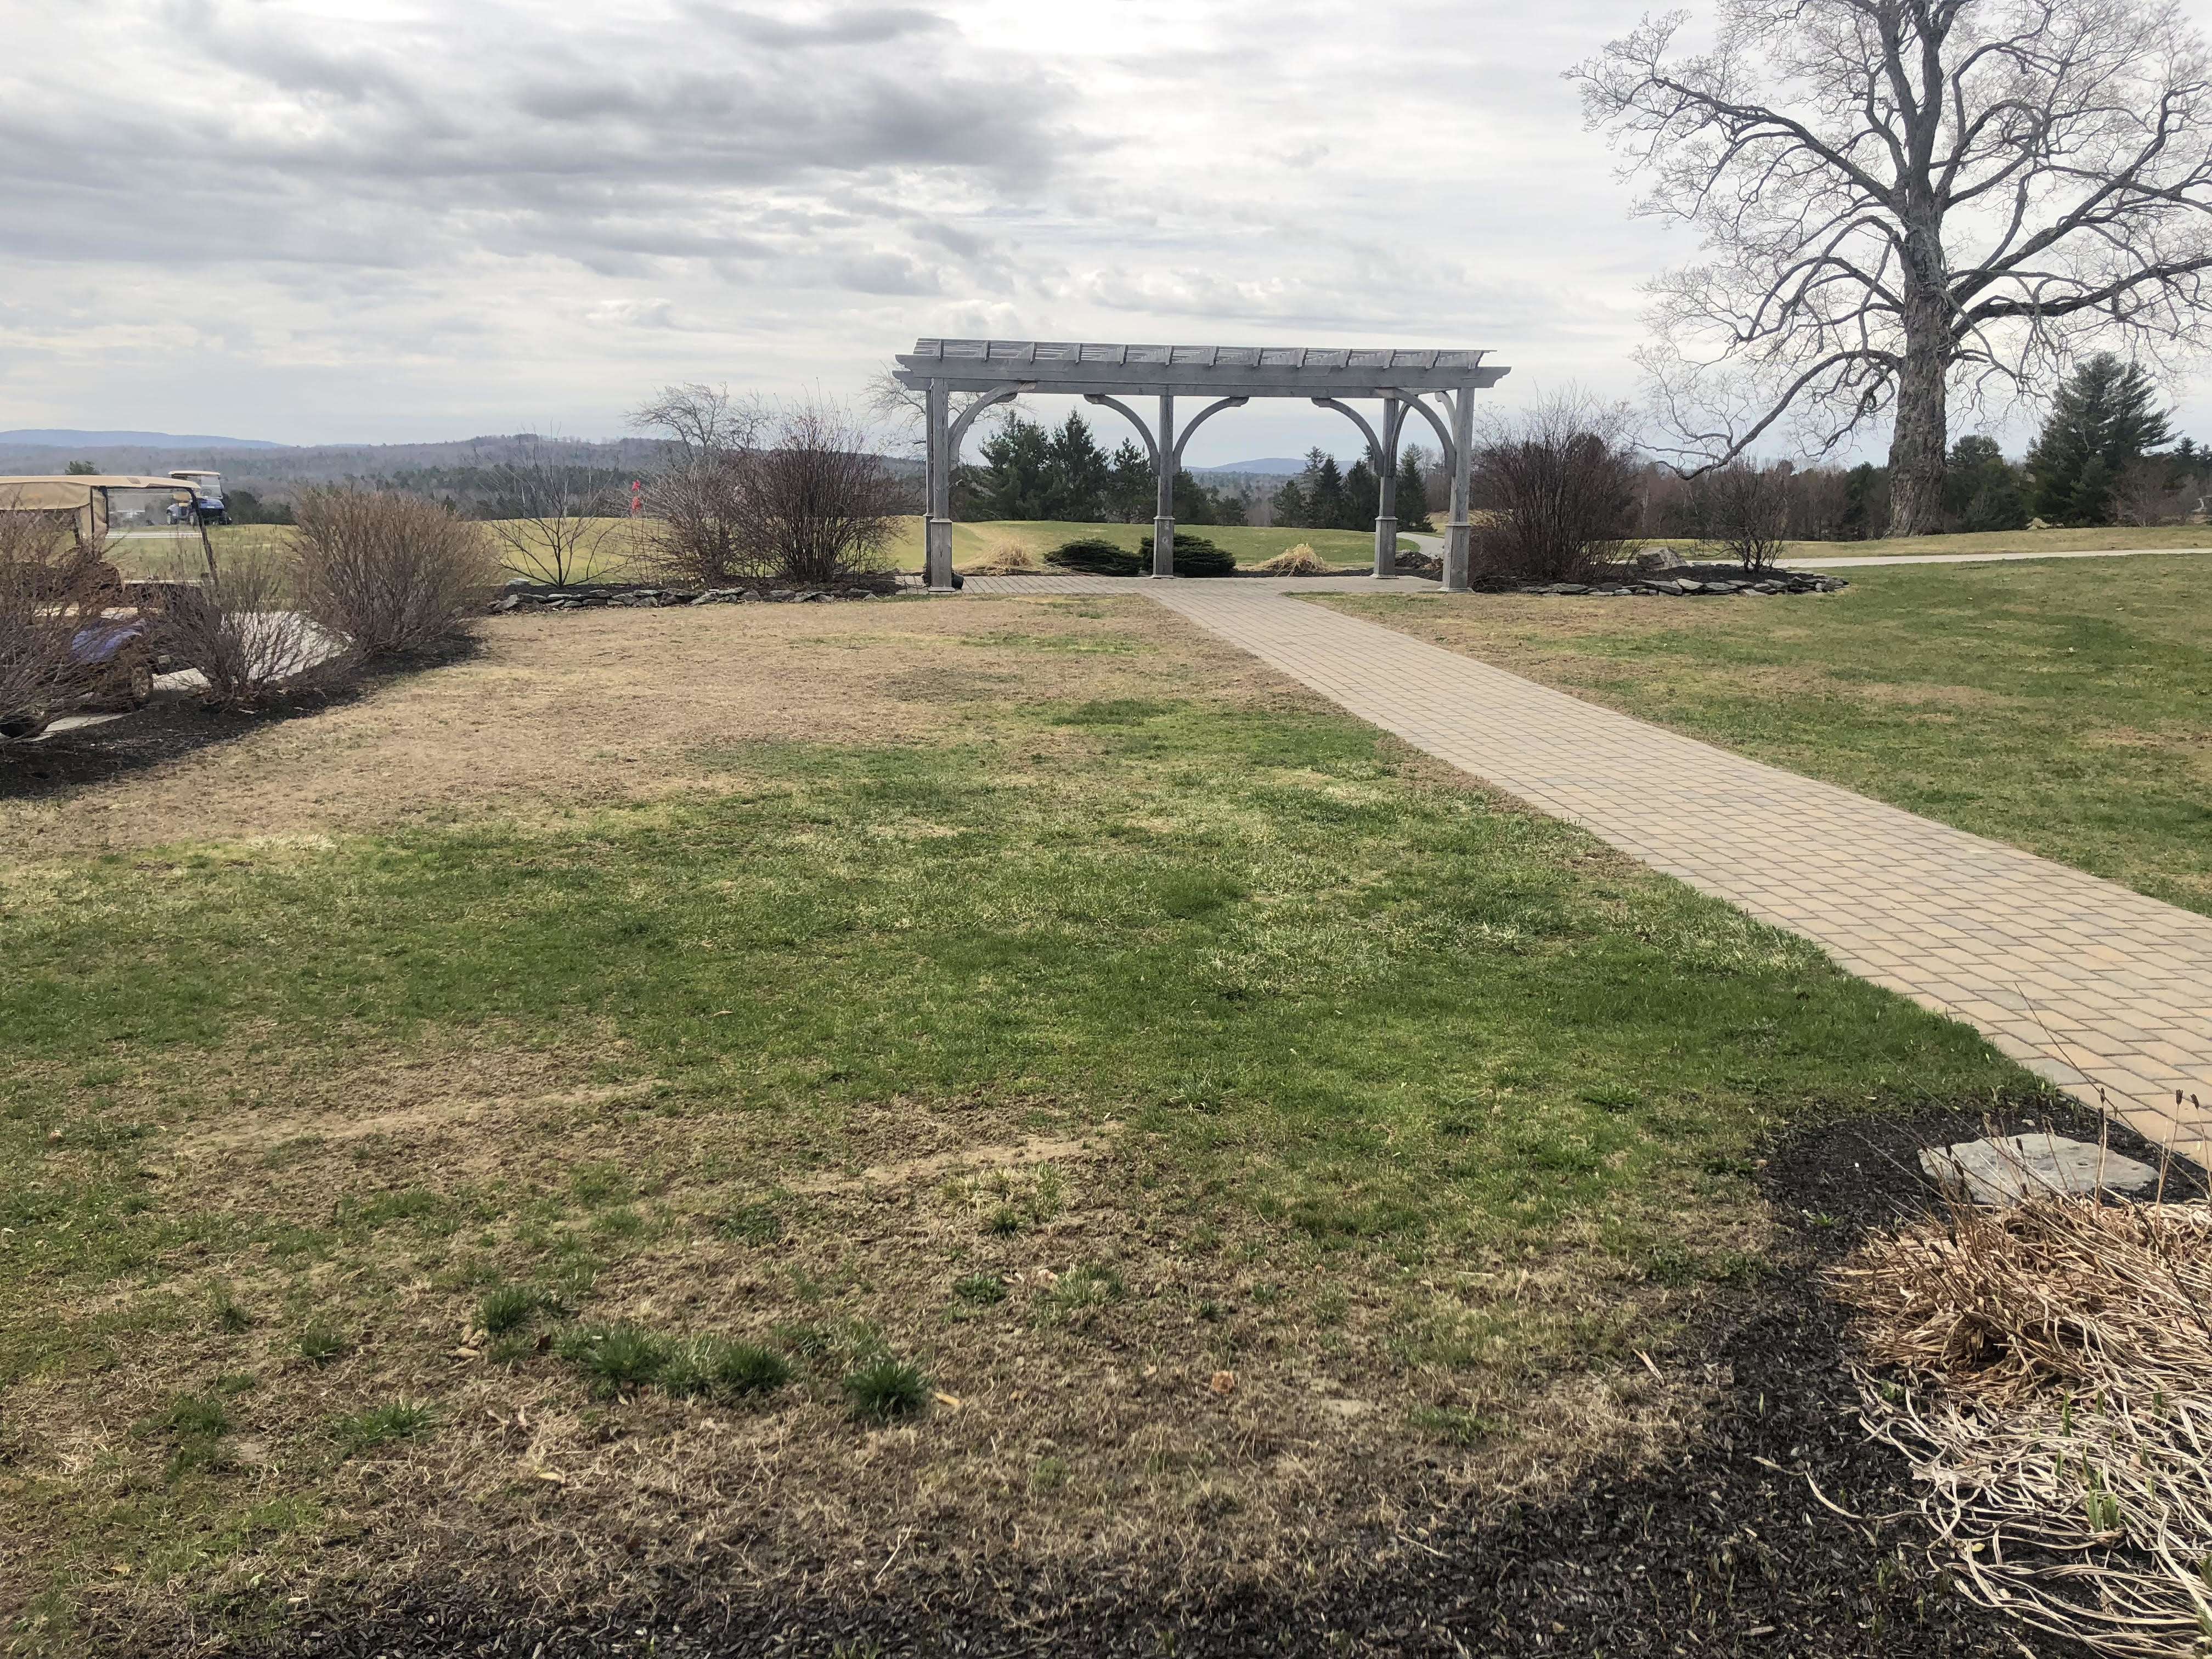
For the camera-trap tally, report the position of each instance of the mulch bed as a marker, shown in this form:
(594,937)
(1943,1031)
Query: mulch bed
(1723,1550)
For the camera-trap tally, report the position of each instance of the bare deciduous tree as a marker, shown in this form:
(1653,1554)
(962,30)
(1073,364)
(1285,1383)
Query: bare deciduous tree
(553,531)
(1904,198)
(1558,485)
(701,420)
(1743,510)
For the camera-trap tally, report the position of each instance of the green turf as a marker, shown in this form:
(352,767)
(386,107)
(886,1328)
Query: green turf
(1389,1036)
(2061,706)
(1353,549)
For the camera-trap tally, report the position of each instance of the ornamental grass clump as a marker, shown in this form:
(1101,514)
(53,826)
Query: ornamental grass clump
(2047,1369)
(1299,561)
(1003,557)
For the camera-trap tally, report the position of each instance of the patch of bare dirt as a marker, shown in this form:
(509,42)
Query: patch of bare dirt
(602,707)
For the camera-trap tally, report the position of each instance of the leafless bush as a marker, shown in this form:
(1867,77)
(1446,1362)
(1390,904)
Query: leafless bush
(52,588)
(554,536)
(238,629)
(2150,492)
(1742,509)
(822,502)
(388,573)
(760,493)
(1560,486)
(2047,1368)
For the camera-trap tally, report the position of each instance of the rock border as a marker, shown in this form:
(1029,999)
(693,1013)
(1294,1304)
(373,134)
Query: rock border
(1688,588)
(522,594)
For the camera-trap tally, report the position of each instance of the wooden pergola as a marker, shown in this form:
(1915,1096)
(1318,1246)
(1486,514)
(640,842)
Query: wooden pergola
(997,371)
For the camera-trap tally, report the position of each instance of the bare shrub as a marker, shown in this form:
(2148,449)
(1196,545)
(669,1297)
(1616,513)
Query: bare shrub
(1742,510)
(386,573)
(2047,1369)
(1559,482)
(51,589)
(239,629)
(2151,491)
(761,494)
(554,533)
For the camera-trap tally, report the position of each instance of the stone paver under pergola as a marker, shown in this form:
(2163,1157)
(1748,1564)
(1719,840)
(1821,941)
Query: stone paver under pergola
(2087,982)
(993,372)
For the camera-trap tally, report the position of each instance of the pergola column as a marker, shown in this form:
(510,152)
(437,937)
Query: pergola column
(1168,455)
(1458,535)
(1385,519)
(937,526)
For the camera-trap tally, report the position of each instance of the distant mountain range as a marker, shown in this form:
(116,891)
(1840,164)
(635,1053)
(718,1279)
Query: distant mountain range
(58,438)
(1273,466)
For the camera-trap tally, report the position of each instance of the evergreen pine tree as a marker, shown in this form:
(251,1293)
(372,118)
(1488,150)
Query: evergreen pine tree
(1080,473)
(2105,417)
(1193,501)
(1018,476)
(1981,489)
(1363,498)
(1414,489)
(1288,504)
(1323,485)
(1129,484)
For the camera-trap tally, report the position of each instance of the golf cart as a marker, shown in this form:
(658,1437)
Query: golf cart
(109,664)
(206,505)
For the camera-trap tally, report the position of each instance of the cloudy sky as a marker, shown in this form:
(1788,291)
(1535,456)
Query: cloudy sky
(322,220)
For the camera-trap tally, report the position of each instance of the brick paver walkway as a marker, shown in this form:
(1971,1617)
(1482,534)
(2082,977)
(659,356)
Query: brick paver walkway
(2087,982)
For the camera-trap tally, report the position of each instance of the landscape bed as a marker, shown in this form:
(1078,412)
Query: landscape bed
(1296,1179)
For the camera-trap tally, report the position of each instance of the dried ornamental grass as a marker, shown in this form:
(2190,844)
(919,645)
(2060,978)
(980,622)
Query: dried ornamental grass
(2047,1370)
(1004,557)
(1299,561)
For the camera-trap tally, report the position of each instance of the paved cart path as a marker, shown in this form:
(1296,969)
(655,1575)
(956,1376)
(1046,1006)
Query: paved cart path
(2085,981)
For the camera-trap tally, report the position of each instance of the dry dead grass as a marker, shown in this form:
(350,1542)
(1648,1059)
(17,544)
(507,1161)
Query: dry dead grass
(595,707)
(2048,1371)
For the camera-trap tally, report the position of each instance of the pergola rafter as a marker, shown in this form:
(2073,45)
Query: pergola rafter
(997,371)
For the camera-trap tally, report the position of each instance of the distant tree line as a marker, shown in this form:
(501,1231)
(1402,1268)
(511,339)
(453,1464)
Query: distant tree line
(2101,458)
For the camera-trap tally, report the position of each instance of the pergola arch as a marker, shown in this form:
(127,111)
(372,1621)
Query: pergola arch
(997,371)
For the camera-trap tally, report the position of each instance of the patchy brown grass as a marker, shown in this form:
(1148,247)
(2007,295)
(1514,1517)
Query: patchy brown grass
(1150,1398)
(590,708)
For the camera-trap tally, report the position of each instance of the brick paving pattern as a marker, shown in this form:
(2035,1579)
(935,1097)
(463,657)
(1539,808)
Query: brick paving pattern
(2084,981)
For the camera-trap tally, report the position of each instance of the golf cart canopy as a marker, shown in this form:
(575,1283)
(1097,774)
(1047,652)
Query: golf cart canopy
(85,499)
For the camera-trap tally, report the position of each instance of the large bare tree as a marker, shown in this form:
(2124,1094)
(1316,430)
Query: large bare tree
(1903,200)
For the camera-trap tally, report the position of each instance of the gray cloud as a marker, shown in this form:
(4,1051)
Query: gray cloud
(327,219)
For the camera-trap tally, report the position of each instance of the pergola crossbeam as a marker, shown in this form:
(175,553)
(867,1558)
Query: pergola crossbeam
(1230,376)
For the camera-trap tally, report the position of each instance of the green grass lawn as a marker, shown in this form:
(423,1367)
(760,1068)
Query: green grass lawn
(1187,1118)
(1354,549)
(2063,708)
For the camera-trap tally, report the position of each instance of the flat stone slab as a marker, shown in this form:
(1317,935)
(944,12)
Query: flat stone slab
(2007,1168)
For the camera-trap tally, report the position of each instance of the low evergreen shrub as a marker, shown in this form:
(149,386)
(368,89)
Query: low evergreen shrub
(1094,556)
(1195,556)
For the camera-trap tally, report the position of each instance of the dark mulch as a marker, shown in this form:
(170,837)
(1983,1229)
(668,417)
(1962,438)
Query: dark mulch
(1725,1550)
(174,725)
